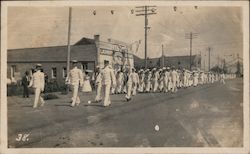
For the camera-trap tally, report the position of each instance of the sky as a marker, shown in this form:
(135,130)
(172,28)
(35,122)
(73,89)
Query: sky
(217,27)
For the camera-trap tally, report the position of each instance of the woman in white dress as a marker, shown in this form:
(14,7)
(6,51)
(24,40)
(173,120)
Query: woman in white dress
(86,83)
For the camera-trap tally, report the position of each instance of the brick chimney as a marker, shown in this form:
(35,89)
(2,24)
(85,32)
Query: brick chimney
(97,38)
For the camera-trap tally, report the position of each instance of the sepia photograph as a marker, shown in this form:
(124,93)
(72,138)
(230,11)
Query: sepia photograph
(98,75)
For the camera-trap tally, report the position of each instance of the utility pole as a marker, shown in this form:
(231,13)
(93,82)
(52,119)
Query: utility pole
(201,60)
(163,58)
(68,51)
(238,65)
(191,36)
(204,62)
(69,32)
(209,50)
(145,11)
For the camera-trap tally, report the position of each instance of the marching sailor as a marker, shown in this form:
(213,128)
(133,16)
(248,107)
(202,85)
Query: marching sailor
(75,79)
(98,84)
(120,81)
(38,83)
(131,83)
(174,79)
(141,81)
(108,79)
(155,79)
(148,80)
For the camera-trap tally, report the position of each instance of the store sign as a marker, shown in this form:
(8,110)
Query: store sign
(106,52)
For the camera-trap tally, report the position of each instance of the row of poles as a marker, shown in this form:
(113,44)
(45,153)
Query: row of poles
(139,11)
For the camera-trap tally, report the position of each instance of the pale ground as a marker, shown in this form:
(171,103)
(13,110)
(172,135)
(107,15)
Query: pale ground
(204,116)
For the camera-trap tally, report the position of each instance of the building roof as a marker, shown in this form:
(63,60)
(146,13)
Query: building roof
(85,41)
(53,54)
(173,60)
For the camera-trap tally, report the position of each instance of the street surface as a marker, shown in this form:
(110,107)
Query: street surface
(204,116)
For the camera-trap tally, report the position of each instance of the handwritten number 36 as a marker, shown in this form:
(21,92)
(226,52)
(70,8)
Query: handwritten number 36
(22,137)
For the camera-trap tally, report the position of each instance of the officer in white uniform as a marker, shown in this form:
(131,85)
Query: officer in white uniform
(129,84)
(148,81)
(141,81)
(155,79)
(108,79)
(75,79)
(195,78)
(135,79)
(174,79)
(98,83)
(167,80)
(120,82)
(161,79)
(222,78)
(38,83)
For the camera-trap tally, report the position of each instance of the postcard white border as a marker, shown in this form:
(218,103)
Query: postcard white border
(5,5)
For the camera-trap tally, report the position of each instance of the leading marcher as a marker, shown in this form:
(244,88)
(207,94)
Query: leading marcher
(38,83)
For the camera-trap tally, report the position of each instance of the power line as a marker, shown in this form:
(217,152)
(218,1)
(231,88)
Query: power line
(145,11)
(191,36)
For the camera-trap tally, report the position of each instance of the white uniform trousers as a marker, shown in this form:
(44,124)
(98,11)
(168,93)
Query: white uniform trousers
(161,85)
(148,86)
(170,85)
(119,88)
(155,87)
(75,97)
(165,85)
(37,97)
(174,86)
(98,92)
(195,81)
(141,87)
(129,90)
(107,101)
(134,88)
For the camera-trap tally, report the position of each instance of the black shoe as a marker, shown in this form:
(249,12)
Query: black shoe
(128,99)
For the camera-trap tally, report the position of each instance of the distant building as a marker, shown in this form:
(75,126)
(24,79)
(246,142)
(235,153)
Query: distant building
(177,61)
(89,53)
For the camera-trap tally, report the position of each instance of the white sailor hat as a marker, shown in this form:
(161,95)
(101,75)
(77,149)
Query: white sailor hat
(38,65)
(74,61)
(154,69)
(160,69)
(89,71)
(168,68)
(164,68)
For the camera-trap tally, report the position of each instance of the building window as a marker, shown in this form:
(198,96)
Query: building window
(53,72)
(84,66)
(12,71)
(64,72)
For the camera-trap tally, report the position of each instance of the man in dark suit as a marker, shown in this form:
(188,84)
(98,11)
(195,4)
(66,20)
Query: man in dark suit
(25,84)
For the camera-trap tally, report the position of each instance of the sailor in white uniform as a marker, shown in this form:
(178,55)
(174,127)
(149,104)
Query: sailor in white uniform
(98,84)
(75,79)
(108,80)
(174,80)
(38,83)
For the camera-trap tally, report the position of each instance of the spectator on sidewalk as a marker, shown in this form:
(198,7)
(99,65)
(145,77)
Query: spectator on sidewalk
(25,84)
